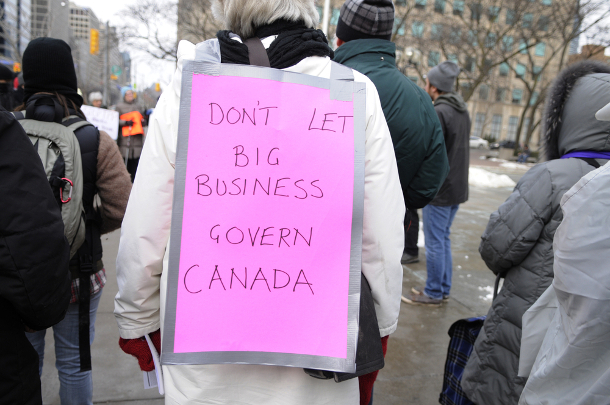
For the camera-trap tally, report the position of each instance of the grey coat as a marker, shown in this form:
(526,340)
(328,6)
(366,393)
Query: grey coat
(518,241)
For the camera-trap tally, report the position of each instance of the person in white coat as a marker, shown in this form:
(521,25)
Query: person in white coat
(566,341)
(142,259)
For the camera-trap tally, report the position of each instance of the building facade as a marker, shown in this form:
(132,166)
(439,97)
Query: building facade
(15,30)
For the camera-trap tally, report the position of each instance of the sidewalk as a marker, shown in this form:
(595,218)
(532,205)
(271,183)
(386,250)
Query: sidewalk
(416,351)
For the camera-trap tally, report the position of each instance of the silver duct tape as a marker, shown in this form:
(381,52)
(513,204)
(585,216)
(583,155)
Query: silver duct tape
(341,81)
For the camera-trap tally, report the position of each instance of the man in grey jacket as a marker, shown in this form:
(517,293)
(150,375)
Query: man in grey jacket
(439,214)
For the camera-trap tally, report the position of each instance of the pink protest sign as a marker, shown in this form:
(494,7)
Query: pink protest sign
(265,223)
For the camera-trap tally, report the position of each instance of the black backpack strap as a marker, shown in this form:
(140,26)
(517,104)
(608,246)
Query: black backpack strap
(257,52)
(591,162)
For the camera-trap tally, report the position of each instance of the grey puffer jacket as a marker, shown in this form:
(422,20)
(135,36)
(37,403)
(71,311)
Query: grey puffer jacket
(518,241)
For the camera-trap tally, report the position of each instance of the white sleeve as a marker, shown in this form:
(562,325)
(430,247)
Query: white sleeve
(384,211)
(146,225)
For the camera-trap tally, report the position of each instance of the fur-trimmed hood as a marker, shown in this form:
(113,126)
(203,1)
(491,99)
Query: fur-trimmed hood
(243,16)
(569,123)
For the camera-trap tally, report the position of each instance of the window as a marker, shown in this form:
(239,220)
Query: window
(334,18)
(473,38)
(476,9)
(507,44)
(455,36)
(522,46)
(493,13)
(520,71)
(483,92)
(399,27)
(528,19)
(439,6)
(420,3)
(513,121)
(466,90)
(434,58)
(534,98)
(436,32)
(490,41)
(540,49)
(496,126)
(547,2)
(510,17)
(504,69)
(543,23)
(401,2)
(458,7)
(536,71)
(479,121)
(517,95)
(414,79)
(453,58)
(471,64)
(417,29)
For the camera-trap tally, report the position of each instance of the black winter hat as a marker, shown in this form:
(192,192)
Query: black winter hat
(360,19)
(5,73)
(47,67)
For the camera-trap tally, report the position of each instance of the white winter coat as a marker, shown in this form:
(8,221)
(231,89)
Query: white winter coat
(572,366)
(142,259)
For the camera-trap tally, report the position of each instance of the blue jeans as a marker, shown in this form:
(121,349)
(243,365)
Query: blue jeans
(437,227)
(76,387)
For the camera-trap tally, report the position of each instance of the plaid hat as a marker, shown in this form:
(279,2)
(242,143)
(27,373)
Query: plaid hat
(360,19)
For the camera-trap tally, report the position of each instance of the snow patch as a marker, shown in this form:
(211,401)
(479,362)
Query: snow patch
(490,290)
(483,178)
(518,166)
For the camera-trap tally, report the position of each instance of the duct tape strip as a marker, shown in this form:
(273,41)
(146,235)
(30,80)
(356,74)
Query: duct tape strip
(342,88)
(341,82)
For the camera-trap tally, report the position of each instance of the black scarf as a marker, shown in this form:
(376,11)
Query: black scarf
(294,43)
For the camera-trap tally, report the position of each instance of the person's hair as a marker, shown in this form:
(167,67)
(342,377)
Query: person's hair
(243,16)
(65,102)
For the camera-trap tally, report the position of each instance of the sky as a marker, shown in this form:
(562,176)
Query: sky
(145,71)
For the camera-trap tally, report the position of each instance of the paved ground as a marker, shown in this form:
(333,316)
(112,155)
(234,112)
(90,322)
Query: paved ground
(416,352)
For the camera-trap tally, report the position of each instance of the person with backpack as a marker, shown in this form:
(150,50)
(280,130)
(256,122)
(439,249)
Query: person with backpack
(81,163)
(34,256)
(518,241)
(287,29)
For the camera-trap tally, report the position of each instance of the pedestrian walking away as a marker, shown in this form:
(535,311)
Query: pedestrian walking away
(34,257)
(439,214)
(52,118)
(518,241)
(364,30)
(282,26)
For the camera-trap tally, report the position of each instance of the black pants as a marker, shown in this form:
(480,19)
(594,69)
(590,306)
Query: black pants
(411,232)
(132,167)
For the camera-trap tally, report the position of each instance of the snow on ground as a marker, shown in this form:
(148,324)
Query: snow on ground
(482,178)
(490,293)
(519,166)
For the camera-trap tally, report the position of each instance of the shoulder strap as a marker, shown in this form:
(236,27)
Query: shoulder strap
(591,161)
(257,52)
(74,122)
(20,115)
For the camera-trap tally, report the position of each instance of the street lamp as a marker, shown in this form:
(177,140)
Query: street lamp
(413,58)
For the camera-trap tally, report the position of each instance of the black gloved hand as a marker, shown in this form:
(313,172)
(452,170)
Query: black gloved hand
(129,123)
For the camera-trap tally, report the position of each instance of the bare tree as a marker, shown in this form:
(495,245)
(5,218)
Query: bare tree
(156,27)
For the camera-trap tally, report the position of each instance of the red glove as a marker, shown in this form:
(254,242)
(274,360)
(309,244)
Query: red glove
(139,349)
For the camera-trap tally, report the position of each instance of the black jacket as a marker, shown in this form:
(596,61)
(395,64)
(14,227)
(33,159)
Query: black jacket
(455,121)
(34,257)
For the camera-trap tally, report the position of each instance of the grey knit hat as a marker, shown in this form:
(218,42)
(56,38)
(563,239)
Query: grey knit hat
(360,19)
(443,76)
